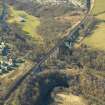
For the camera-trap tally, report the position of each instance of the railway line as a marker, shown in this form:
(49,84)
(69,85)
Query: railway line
(36,68)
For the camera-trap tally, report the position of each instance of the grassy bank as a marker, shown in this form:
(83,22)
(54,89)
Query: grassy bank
(97,38)
(28,23)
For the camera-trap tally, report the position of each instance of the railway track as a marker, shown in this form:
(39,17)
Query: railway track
(36,68)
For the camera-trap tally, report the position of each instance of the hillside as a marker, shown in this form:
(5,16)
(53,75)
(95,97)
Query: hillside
(42,23)
(27,25)
(30,23)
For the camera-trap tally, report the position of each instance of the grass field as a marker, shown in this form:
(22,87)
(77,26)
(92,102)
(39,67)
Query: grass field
(28,23)
(70,99)
(99,6)
(97,39)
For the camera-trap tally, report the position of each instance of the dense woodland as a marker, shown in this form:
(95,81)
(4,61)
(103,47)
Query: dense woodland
(89,82)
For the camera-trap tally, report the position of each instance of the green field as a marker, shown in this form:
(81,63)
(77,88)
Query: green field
(99,6)
(28,23)
(97,39)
